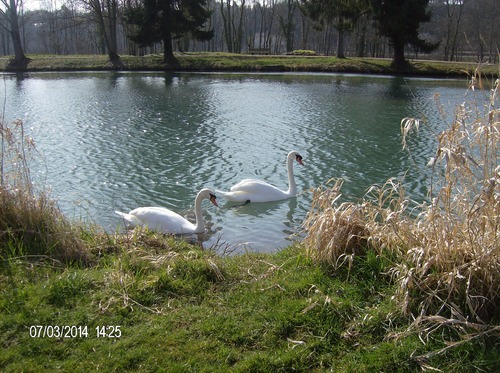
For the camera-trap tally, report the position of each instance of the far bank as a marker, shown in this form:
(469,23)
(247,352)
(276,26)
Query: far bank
(208,61)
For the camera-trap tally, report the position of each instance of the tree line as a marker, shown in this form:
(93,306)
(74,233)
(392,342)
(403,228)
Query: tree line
(452,30)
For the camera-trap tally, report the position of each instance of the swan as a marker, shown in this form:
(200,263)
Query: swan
(259,191)
(163,220)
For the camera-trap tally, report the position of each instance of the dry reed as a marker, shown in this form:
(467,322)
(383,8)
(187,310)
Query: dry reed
(334,232)
(31,224)
(448,248)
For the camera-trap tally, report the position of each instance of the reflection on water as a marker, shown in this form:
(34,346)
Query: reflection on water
(116,141)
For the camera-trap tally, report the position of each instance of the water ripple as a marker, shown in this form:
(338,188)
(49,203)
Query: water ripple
(118,141)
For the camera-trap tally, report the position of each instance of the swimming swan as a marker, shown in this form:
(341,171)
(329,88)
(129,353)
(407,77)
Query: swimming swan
(161,219)
(259,191)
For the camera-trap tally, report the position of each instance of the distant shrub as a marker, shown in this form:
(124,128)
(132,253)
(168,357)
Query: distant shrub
(304,52)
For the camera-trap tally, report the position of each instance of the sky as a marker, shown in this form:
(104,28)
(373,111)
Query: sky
(38,4)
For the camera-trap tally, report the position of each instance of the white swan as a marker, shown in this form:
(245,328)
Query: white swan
(259,191)
(161,219)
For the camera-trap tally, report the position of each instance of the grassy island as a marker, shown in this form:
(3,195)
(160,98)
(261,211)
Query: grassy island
(379,284)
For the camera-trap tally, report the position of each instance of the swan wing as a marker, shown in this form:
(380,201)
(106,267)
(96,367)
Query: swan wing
(254,191)
(252,186)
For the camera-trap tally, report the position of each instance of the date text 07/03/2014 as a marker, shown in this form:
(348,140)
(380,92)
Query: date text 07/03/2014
(75,331)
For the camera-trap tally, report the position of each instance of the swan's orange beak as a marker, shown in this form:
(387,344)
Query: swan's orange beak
(213,199)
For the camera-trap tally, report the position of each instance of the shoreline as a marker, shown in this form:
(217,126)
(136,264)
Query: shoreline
(230,62)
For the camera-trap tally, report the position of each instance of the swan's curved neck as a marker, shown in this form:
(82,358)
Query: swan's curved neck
(292,187)
(198,213)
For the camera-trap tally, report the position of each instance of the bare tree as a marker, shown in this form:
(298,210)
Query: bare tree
(305,24)
(260,28)
(454,11)
(232,18)
(9,10)
(483,29)
(287,24)
(106,16)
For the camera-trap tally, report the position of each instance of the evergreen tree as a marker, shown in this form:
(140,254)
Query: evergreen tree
(399,21)
(343,14)
(167,20)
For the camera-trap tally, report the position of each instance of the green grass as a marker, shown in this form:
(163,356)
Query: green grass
(184,309)
(212,61)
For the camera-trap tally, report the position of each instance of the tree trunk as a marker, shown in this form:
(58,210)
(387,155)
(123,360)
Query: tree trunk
(361,38)
(399,62)
(453,28)
(168,51)
(112,22)
(340,40)
(20,59)
(227,22)
(239,36)
(305,31)
(109,38)
(288,26)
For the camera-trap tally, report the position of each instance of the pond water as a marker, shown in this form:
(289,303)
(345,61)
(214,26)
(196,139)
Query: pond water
(116,141)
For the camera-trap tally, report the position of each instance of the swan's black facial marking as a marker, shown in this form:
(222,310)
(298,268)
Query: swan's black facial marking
(298,158)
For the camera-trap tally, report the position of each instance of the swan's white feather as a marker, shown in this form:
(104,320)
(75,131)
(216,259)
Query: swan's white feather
(254,191)
(248,185)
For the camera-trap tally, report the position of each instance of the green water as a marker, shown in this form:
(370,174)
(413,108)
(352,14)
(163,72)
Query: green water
(116,141)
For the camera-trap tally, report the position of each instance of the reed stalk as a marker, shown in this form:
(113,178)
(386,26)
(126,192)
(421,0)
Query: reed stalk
(31,224)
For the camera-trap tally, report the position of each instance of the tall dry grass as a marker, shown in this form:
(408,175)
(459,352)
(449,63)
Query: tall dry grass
(455,255)
(31,224)
(448,248)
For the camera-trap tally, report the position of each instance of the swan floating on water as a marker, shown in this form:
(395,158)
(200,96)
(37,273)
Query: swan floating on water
(254,190)
(163,220)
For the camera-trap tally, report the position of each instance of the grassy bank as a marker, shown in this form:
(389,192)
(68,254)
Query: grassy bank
(380,284)
(171,306)
(239,62)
